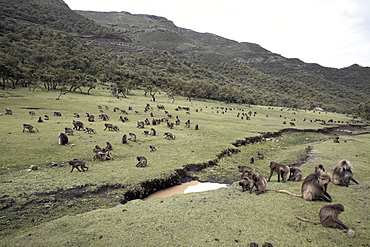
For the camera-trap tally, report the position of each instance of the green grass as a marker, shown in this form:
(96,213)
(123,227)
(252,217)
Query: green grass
(224,217)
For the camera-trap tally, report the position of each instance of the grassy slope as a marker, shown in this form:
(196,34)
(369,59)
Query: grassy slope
(217,218)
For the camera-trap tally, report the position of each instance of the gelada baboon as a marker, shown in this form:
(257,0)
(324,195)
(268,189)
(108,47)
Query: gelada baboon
(102,154)
(124,139)
(329,216)
(63,139)
(319,167)
(40,120)
(75,163)
(342,173)
(281,170)
(132,137)
(8,111)
(68,131)
(152,148)
(169,135)
(251,160)
(258,181)
(153,132)
(245,169)
(78,125)
(314,187)
(90,130)
(29,127)
(142,161)
(295,174)
(336,139)
(33,168)
(245,183)
(260,156)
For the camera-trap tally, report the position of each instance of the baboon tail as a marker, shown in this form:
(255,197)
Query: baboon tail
(305,220)
(285,192)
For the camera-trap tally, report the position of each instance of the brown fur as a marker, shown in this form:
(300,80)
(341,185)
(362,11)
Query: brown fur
(342,174)
(295,174)
(245,169)
(75,163)
(245,183)
(258,181)
(142,161)
(281,170)
(314,186)
(329,216)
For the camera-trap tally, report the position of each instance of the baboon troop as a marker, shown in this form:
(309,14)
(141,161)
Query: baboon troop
(342,174)
(63,138)
(142,161)
(75,163)
(281,170)
(329,216)
(29,127)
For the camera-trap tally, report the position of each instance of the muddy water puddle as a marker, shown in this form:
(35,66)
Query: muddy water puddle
(190,187)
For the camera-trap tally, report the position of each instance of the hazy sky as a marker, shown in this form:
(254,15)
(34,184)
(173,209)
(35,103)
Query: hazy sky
(332,33)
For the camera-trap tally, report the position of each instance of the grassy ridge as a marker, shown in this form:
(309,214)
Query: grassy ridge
(217,218)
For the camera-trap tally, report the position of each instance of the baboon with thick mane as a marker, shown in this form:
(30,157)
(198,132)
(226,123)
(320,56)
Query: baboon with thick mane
(314,186)
(342,174)
(329,216)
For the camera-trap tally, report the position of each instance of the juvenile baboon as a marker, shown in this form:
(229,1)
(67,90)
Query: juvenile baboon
(76,115)
(63,138)
(152,148)
(258,181)
(319,167)
(169,135)
(29,127)
(196,127)
(245,183)
(281,170)
(245,169)
(77,125)
(32,113)
(40,120)
(336,139)
(132,137)
(295,174)
(90,130)
(75,163)
(142,161)
(251,160)
(68,131)
(342,174)
(260,156)
(109,126)
(57,114)
(329,216)
(187,123)
(124,139)
(8,111)
(153,132)
(314,186)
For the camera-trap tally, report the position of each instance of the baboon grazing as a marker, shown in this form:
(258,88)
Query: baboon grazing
(57,114)
(251,160)
(187,123)
(146,132)
(111,127)
(68,131)
(124,139)
(8,111)
(245,183)
(342,174)
(76,115)
(295,174)
(63,138)
(142,161)
(75,163)
(46,117)
(91,118)
(40,120)
(102,154)
(319,167)
(132,137)
(169,135)
(152,148)
(109,147)
(196,127)
(329,216)
(29,127)
(258,181)
(33,168)
(260,156)
(140,124)
(281,170)
(314,186)
(153,132)
(336,139)
(245,169)
(77,125)
(32,113)
(90,130)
